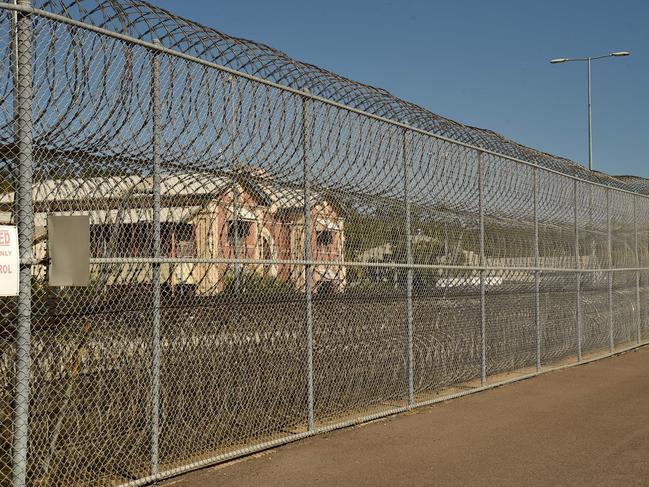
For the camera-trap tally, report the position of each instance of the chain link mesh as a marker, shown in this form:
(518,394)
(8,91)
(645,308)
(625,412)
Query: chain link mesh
(265,263)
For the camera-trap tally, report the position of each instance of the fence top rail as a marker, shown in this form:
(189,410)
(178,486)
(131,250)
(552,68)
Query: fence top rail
(153,46)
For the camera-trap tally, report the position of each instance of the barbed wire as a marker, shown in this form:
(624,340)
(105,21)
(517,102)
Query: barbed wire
(145,21)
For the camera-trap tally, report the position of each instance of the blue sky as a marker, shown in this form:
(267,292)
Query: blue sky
(480,63)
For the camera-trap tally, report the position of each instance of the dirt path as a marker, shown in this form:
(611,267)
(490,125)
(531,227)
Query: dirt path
(587,425)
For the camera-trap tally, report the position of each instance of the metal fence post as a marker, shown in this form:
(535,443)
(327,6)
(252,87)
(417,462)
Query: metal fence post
(308,270)
(409,271)
(155,346)
(235,227)
(235,187)
(537,272)
(578,273)
(611,337)
(637,272)
(24,211)
(483,310)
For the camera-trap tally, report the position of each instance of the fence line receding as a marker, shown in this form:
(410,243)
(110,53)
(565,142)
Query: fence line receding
(266,262)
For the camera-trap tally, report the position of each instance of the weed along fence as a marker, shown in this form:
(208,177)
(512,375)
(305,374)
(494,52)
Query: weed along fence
(274,250)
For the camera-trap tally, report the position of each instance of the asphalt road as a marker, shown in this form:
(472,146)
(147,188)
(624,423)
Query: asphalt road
(586,425)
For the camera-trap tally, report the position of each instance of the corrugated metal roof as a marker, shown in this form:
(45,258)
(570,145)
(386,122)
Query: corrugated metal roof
(189,184)
(92,191)
(75,189)
(118,187)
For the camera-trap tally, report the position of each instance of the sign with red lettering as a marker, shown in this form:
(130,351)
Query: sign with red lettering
(9,261)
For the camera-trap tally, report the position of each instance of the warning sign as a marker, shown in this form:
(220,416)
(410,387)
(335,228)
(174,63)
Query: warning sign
(9,261)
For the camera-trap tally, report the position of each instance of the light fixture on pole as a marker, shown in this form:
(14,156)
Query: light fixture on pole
(588,61)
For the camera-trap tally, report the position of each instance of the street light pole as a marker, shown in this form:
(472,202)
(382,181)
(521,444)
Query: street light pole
(590,119)
(590,122)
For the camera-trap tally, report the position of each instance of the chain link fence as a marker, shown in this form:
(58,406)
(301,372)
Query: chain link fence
(267,263)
